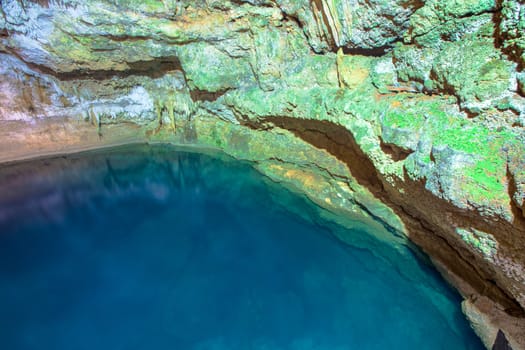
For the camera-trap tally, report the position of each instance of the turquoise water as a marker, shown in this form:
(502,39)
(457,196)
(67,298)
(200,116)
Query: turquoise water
(148,248)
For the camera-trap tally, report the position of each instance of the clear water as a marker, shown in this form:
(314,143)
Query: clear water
(148,248)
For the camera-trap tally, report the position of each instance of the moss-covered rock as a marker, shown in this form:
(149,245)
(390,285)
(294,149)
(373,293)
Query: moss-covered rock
(512,28)
(442,49)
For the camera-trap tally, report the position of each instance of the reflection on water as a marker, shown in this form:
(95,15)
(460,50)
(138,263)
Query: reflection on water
(148,248)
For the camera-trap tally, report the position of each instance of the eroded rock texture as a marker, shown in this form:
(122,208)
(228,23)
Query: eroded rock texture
(418,105)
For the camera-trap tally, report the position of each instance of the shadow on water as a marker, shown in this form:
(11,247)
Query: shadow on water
(152,248)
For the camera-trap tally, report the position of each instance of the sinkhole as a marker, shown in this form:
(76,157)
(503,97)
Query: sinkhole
(151,247)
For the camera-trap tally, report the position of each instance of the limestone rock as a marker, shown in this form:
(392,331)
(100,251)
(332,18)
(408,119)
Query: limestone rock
(512,29)
(355,24)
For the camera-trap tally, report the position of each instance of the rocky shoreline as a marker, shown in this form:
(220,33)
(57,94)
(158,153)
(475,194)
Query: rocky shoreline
(350,204)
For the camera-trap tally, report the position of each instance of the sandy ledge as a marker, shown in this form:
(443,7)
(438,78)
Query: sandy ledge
(61,136)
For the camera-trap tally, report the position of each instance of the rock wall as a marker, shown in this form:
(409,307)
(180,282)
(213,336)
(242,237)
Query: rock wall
(407,111)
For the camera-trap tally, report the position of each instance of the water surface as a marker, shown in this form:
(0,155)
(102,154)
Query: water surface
(149,248)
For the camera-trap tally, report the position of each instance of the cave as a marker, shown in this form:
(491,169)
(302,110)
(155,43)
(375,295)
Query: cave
(389,133)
